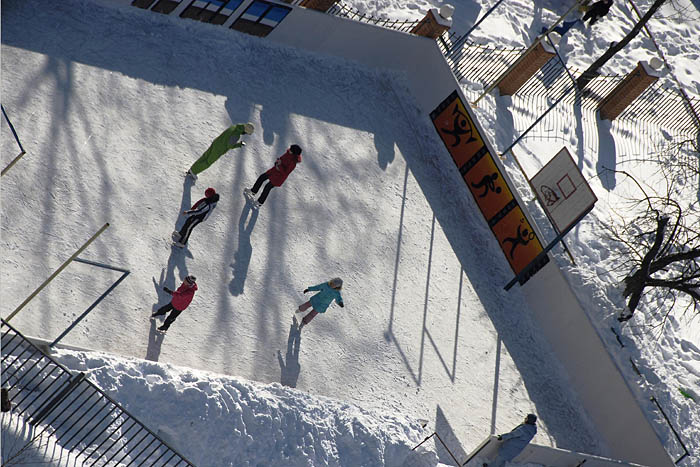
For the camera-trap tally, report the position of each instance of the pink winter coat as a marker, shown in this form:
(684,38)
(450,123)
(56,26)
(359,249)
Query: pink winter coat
(283,167)
(183,296)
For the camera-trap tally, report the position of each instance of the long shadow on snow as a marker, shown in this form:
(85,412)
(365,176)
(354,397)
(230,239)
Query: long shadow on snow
(173,62)
(241,258)
(289,366)
(473,243)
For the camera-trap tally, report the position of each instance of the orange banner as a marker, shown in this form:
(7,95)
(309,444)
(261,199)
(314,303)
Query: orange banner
(517,239)
(485,181)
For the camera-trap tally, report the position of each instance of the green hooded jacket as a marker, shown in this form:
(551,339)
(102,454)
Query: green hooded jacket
(222,144)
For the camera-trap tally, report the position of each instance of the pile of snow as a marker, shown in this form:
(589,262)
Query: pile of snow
(220,420)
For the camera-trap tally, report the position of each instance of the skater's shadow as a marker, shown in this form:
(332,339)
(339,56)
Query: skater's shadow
(155,339)
(185,203)
(167,275)
(289,369)
(241,258)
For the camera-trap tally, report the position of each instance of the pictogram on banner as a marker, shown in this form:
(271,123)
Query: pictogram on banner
(457,129)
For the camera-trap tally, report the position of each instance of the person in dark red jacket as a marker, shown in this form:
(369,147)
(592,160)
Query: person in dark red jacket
(182,298)
(275,176)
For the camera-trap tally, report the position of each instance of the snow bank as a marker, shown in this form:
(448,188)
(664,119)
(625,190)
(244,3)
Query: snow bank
(219,420)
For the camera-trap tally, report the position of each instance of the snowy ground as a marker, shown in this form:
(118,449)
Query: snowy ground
(112,105)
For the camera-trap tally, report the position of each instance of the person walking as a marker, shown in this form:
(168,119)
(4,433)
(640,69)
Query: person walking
(597,11)
(199,212)
(514,442)
(319,303)
(284,165)
(222,144)
(182,298)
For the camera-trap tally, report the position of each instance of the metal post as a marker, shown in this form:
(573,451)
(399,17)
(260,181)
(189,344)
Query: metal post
(463,39)
(653,399)
(563,243)
(539,119)
(63,266)
(22,152)
(96,302)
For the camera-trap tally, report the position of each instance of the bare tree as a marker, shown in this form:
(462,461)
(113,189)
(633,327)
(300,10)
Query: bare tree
(658,252)
(592,70)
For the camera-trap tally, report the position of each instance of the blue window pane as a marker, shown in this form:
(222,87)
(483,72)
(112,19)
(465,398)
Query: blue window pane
(276,14)
(256,9)
(233,4)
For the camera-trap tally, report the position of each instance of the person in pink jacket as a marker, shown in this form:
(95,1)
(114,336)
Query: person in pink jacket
(275,176)
(182,298)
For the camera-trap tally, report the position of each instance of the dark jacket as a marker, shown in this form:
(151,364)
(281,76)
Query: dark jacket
(203,207)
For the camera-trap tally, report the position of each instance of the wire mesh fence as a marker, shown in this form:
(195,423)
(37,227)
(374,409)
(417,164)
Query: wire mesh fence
(660,105)
(80,417)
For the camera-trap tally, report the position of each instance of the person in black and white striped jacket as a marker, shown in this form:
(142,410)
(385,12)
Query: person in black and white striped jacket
(196,214)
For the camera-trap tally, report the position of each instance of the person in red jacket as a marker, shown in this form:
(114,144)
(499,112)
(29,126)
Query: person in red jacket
(182,298)
(275,176)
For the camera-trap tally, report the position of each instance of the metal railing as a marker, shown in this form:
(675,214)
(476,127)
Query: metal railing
(83,419)
(345,11)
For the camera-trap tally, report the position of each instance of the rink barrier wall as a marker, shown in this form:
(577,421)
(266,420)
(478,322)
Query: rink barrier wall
(608,400)
(541,455)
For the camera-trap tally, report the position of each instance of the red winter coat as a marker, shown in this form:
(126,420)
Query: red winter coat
(283,167)
(183,296)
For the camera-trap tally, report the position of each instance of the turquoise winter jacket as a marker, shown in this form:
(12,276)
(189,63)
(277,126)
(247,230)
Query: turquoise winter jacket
(326,294)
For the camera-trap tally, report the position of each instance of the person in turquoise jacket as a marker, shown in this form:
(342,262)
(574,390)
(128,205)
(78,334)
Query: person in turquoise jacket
(226,141)
(319,303)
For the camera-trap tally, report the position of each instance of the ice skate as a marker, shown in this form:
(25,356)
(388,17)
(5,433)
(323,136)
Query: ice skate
(175,236)
(248,193)
(162,330)
(179,245)
(192,175)
(256,205)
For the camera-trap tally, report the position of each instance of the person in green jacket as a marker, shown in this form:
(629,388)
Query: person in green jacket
(227,140)
(327,292)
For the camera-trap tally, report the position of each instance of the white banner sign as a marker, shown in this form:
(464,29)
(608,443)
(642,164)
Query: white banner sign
(562,190)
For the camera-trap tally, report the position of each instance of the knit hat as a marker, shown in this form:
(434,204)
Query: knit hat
(209,192)
(336,283)
(248,128)
(191,279)
(295,149)
(531,418)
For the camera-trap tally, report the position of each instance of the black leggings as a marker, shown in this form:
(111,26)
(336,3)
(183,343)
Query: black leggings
(171,317)
(186,229)
(266,191)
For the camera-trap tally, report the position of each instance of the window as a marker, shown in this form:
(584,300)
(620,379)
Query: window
(164,6)
(212,11)
(260,18)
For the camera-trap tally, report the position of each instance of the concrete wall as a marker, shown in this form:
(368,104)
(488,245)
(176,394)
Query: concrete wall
(542,455)
(605,394)
(595,377)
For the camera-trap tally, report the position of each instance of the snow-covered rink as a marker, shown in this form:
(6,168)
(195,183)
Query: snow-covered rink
(112,105)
